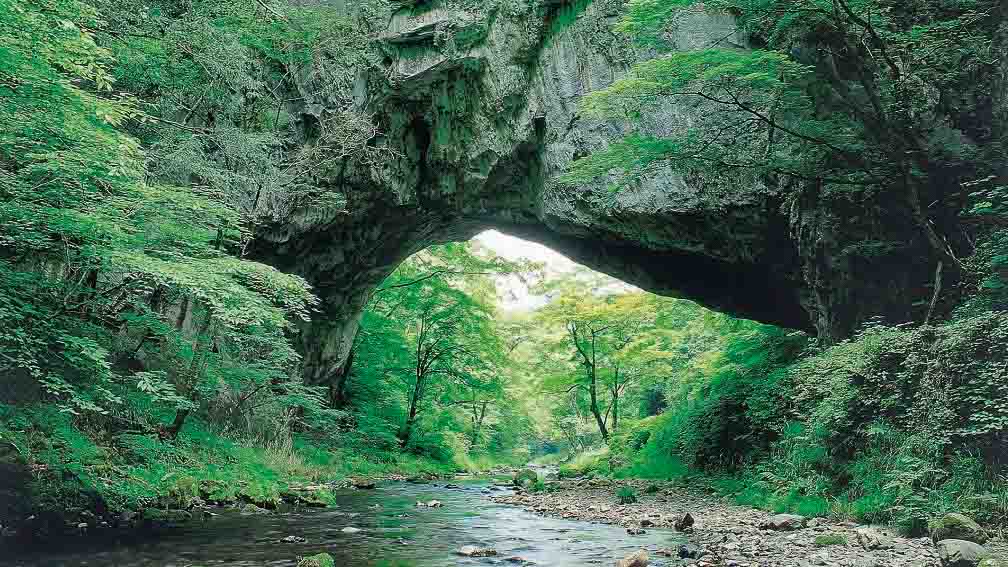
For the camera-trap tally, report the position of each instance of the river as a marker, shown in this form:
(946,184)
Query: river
(393,532)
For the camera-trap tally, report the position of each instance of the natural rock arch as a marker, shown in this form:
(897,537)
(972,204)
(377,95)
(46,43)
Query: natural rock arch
(477,106)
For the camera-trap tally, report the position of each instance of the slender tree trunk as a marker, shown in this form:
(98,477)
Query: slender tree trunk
(478,421)
(414,408)
(593,392)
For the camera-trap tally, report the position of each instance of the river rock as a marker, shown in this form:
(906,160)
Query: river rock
(960,553)
(872,539)
(525,477)
(688,551)
(250,509)
(320,560)
(684,523)
(363,483)
(957,526)
(293,539)
(636,559)
(784,522)
(350,530)
(429,504)
(473,551)
(635,531)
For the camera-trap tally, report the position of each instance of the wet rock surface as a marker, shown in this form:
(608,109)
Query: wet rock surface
(724,534)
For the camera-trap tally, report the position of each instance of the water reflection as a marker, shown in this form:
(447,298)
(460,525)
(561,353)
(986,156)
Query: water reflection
(393,532)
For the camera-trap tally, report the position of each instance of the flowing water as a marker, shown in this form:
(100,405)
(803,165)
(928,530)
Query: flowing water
(393,533)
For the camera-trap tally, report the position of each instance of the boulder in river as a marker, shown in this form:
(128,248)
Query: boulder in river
(473,551)
(429,504)
(293,539)
(960,553)
(350,530)
(363,483)
(251,509)
(957,526)
(784,522)
(636,559)
(525,477)
(635,531)
(684,523)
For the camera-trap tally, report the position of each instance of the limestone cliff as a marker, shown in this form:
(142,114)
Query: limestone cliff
(476,105)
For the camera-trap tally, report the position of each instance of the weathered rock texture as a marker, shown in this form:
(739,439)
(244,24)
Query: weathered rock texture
(477,106)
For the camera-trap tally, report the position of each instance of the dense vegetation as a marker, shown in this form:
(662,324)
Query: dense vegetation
(147,362)
(880,103)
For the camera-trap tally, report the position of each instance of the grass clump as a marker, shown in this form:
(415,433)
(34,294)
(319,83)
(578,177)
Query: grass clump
(589,463)
(826,540)
(626,495)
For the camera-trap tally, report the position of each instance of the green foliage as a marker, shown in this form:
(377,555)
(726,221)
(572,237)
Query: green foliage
(837,96)
(431,359)
(147,361)
(626,495)
(318,560)
(588,463)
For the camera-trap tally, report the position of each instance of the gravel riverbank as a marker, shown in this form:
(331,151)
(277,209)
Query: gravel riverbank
(725,534)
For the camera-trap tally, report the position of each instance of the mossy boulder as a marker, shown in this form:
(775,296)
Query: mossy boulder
(525,477)
(320,560)
(361,483)
(957,526)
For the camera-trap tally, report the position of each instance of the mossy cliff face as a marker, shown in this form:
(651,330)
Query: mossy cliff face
(476,105)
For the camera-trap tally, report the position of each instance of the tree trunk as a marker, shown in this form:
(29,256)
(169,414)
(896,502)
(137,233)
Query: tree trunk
(414,408)
(478,422)
(615,410)
(170,432)
(593,392)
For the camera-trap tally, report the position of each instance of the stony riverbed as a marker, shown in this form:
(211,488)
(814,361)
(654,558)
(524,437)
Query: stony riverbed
(723,534)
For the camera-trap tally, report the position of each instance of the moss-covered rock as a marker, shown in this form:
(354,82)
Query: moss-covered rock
(525,477)
(167,516)
(319,560)
(957,526)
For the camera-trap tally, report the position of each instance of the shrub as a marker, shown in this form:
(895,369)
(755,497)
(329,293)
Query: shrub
(626,495)
(589,463)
